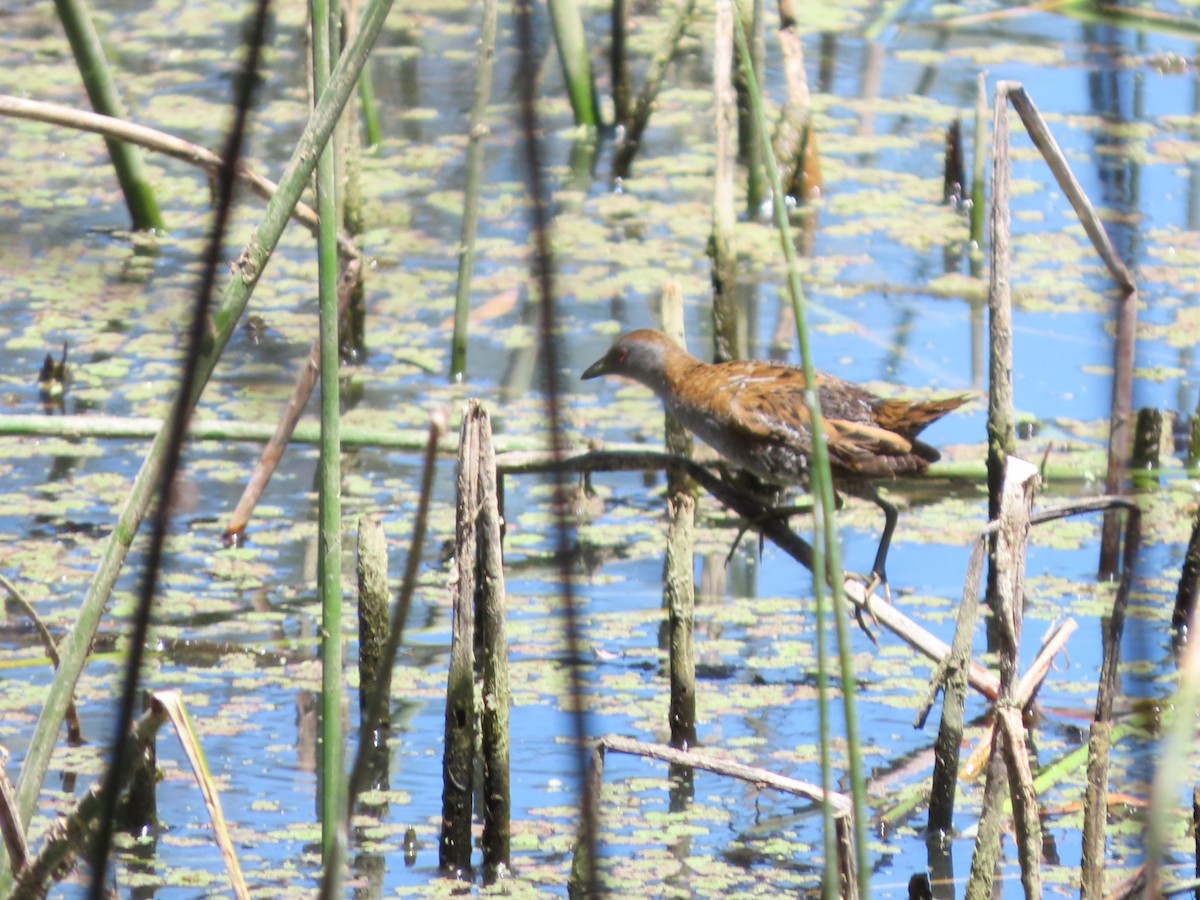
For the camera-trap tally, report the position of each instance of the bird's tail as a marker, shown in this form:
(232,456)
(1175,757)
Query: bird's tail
(909,419)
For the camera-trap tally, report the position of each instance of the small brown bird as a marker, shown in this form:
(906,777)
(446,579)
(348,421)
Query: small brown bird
(754,414)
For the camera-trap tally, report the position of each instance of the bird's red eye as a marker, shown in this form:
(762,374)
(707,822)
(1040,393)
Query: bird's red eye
(622,355)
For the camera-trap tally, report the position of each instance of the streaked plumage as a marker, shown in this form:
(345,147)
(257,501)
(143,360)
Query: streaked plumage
(754,414)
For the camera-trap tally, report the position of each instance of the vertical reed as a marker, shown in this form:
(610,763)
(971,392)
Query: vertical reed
(1147,439)
(571,41)
(329,489)
(619,64)
(497,695)
(1002,435)
(1008,770)
(101,89)
(476,132)
(458,757)
(374,714)
(1100,733)
(655,74)
(372,621)
(952,675)
(721,243)
(826,550)
(679,590)
(680,598)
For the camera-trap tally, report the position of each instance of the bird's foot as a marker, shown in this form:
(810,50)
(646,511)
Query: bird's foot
(775,512)
(870,583)
(742,529)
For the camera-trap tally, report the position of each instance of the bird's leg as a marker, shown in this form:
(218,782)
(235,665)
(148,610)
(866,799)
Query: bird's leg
(878,576)
(750,487)
(878,570)
(747,524)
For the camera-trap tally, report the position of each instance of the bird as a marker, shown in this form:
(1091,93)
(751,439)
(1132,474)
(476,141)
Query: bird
(754,413)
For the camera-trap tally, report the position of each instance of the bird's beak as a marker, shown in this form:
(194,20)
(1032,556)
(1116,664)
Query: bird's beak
(596,369)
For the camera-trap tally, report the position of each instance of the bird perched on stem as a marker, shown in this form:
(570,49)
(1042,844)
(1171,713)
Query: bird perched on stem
(754,414)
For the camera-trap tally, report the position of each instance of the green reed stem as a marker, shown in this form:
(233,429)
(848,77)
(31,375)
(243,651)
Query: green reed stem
(329,539)
(476,132)
(576,62)
(370,108)
(826,542)
(101,89)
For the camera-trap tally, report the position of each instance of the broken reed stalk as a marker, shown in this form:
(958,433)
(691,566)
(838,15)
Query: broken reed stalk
(679,596)
(728,768)
(655,73)
(1007,763)
(478,570)
(367,754)
(102,91)
(1095,806)
(951,676)
(476,132)
(793,141)
(583,860)
(285,429)
(223,321)
(458,756)
(372,624)
(722,246)
(1001,440)
(1147,438)
(676,438)
(689,760)
(1001,430)
(1126,312)
(679,590)
(953,171)
(497,694)
(137,813)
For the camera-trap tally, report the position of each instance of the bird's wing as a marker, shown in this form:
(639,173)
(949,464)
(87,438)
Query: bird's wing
(863,448)
(764,402)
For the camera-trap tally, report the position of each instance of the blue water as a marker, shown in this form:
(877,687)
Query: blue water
(875,320)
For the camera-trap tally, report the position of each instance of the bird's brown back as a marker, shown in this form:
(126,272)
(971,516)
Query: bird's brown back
(755,413)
